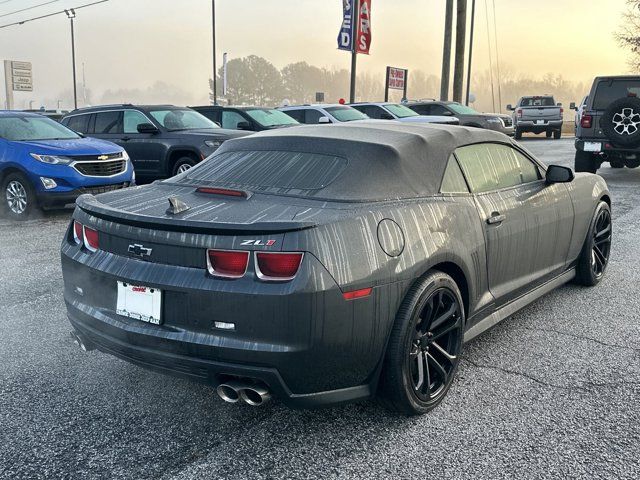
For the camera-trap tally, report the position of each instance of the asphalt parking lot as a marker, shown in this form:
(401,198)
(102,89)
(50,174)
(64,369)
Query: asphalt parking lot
(553,392)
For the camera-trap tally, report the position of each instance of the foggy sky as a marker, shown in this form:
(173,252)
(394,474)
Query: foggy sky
(127,44)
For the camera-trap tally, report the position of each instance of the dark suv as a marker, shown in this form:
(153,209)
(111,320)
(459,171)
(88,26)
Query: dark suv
(609,126)
(253,119)
(161,140)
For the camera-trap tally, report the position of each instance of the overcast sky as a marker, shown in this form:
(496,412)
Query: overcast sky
(134,43)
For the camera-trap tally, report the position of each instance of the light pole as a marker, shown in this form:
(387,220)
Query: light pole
(473,21)
(71,14)
(213,24)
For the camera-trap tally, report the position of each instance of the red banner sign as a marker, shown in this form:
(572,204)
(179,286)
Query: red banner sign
(363,36)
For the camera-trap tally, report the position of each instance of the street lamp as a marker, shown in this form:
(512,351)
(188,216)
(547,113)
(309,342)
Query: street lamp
(71,14)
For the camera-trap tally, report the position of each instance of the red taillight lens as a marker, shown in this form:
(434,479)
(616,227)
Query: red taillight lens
(227,263)
(91,241)
(77,233)
(561,112)
(586,121)
(363,292)
(277,266)
(519,113)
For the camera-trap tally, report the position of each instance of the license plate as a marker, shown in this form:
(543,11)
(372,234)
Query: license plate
(540,122)
(140,303)
(592,146)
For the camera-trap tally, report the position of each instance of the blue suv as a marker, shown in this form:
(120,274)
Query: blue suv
(43,164)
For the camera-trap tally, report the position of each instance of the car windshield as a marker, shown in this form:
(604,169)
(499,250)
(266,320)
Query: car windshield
(400,111)
(462,109)
(181,119)
(538,102)
(609,91)
(268,117)
(29,128)
(346,114)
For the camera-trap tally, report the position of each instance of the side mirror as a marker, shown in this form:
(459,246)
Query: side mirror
(243,126)
(510,107)
(386,116)
(572,106)
(558,174)
(218,123)
(324,120)
(147,128)
(558,104)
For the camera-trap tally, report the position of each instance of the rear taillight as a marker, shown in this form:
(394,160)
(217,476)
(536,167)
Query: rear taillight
(519,113)
(561,112)
(227,263)
(77,233)
(278,267)
(91,239)
(586,121)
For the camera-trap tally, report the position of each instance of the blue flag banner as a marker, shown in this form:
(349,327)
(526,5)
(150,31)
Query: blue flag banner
(345,37)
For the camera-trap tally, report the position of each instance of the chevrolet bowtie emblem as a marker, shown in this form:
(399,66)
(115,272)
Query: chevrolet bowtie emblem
(139,250)
(103,157)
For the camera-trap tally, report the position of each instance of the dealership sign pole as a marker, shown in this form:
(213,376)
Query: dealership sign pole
(17,78)
(355,34)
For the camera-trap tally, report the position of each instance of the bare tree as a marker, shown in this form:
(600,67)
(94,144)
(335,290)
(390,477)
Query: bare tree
(629,35)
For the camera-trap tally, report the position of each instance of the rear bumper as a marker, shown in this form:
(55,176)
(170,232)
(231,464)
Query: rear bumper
(532,126)
(301,338)
(606,147)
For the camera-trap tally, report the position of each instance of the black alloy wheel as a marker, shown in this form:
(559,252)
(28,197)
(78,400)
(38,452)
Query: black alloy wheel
(435,348)
(596,251)
(424,347)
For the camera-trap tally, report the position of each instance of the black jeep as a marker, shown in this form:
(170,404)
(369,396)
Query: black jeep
(608,129)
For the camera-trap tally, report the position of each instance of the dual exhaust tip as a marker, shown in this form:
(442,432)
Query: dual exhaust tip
(235,391)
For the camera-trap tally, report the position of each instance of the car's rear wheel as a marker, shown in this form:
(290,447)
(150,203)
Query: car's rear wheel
(18,196)
(594,257)
(183,164)
(425,344)
(557,134)
(586,162)
(549,133)
(616,164)
(518,134)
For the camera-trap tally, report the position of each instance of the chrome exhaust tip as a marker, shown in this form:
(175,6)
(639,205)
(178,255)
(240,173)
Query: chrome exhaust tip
(84,344)
(230,391)
(255,395)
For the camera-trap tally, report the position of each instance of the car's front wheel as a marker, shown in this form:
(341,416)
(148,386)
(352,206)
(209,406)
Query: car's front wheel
(518,134)
(18,196)
(424,348)
(183,164)
(586,162)
(594,257)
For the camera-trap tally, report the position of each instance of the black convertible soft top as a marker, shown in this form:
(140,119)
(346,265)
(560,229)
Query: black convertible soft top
(364,161)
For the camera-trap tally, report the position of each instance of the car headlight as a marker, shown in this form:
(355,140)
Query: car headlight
(125,155)
(213,143)
(52,159)
(494,120)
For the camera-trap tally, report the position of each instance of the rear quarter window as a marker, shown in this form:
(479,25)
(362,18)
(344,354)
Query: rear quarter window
(78,123)
(608,91)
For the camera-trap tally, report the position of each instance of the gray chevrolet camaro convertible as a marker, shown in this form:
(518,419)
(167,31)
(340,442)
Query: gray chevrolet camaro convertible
(326,264)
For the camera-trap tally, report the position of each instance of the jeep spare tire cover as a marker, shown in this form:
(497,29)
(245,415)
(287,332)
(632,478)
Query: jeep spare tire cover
(621,122)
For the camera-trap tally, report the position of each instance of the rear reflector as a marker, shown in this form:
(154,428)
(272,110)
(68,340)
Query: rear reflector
(91,241)
(77,233)
(363,292)
(227,263)
(222,191)
(277,267)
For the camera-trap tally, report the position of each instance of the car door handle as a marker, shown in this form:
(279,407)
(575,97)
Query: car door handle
(496,218)
(125,139)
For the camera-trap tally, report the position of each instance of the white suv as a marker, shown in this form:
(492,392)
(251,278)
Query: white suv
(401,113)
(324,113)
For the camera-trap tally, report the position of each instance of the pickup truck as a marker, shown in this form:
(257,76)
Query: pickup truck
(537,114)
(609,126)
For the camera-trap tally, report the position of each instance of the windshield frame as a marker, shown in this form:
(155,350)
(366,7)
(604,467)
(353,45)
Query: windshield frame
(41,118)
(160,121)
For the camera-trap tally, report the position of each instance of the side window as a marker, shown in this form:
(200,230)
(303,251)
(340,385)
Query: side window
(373,111)
(133,118)
(453,180)
(312,116)
(440,110)
(108,122)
(231,119)
(78,123)
(297,115)
(491,166)
(421,109)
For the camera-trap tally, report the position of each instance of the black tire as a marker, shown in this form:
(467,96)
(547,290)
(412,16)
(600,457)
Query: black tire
(615,164)
(549,133)
(557,134)
(594,258)
(417,371)
(621,122)
(586,162)
(18,196)
(518,134)
(182,165)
